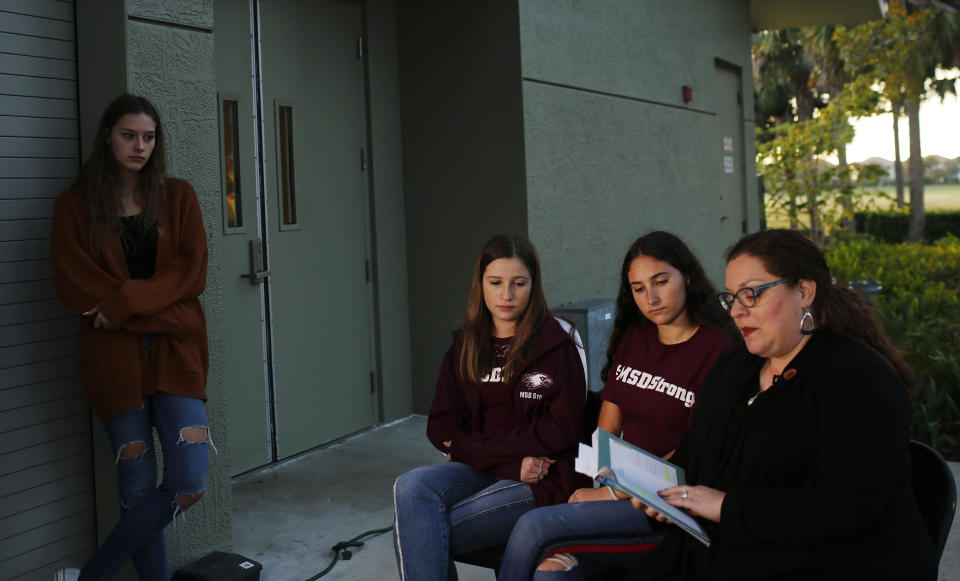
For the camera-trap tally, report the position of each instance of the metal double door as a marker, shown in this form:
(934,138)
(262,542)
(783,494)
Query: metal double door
(297,302)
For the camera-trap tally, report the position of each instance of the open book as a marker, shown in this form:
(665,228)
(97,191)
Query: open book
(615,463)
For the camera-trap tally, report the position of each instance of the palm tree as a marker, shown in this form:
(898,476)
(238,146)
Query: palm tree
(941,38)
(903,52)
(896,107)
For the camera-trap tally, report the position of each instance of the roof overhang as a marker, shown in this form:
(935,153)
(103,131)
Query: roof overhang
(776,14)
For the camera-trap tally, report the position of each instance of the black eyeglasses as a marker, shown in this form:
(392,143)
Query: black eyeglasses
(747,296)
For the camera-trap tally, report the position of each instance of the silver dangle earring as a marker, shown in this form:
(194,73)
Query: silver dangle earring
(807,325)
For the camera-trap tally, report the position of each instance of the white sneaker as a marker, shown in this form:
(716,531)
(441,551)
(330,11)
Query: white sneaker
(67,574)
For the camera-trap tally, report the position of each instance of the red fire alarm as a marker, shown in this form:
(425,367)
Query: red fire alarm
(687,93)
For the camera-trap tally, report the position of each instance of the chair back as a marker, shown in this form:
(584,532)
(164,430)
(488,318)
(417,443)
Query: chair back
(935,490)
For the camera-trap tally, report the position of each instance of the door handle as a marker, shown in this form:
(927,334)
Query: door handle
(256,277)
(257,272)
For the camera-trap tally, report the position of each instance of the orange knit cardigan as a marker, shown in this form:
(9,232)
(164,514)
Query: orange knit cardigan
(114,365)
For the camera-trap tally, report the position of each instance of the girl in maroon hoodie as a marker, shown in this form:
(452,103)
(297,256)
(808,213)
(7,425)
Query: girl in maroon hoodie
(506,411)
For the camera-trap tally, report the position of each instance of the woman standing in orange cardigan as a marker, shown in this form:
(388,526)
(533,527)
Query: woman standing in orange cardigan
(130,255)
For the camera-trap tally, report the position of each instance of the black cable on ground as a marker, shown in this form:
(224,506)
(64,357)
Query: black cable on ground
(340,550)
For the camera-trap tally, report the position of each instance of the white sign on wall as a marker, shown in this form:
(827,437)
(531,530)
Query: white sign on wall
(727,149)
(728,164)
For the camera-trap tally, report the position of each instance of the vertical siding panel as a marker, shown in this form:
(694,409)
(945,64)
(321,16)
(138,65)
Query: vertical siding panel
(47,516)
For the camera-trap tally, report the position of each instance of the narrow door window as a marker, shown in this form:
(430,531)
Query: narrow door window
(232,203)
(285,169)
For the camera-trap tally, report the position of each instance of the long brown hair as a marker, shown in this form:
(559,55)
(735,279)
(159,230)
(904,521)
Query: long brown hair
(101,173)
(477,355)
(790,254)
(701,296)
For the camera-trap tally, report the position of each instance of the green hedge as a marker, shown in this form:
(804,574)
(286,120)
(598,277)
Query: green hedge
(893,226)
(920,309)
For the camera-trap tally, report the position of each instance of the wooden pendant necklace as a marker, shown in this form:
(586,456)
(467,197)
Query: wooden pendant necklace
(788,374)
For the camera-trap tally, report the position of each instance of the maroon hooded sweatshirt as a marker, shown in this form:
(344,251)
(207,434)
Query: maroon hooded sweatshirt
(547,399)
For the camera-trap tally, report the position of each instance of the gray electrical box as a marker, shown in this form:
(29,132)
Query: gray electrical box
(593,319)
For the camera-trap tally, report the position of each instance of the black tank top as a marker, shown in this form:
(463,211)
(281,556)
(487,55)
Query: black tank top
(139,241)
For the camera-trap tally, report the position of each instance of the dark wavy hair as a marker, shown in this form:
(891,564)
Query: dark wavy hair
(702,305)
(101,173)
(790,254)
(476,354)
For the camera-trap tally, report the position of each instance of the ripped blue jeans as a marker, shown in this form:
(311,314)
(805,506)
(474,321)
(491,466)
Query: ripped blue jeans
(448,509)
(147,508)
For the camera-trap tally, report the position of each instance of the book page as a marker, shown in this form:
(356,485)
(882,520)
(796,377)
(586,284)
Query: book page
(648,472)
(586,461)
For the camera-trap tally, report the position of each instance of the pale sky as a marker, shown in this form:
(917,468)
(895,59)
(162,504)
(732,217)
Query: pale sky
(939,132)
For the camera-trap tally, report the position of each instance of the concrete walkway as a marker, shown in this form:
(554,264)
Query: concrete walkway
(288,517)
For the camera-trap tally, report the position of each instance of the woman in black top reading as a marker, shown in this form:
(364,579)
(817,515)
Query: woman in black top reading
(797,455)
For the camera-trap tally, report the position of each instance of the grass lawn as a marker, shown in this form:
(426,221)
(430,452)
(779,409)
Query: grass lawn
(941,197)
(938,197)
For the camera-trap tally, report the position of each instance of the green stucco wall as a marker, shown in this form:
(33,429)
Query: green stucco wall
(612,151)
(388,212)
(463,174)
(163,50)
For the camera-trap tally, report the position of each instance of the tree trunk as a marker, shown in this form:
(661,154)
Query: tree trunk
(811,183)
(846,195)
(915,168)
(805,107)
(812,212)
(897,162)
(793,210)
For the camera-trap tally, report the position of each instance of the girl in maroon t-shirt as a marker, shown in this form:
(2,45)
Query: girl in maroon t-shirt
(506,413)
(668,330)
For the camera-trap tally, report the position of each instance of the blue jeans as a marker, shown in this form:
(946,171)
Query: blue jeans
(602,535)
(450,509)
(147,508)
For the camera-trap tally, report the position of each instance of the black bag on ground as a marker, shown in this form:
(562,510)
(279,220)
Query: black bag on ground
(219,566)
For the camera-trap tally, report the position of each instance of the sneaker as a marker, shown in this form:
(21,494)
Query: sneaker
(67,574)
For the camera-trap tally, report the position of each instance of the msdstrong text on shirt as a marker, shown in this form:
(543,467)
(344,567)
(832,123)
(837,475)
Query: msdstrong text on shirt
(644,380)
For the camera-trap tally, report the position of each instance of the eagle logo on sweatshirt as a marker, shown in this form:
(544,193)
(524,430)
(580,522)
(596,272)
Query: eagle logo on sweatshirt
(536,380)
